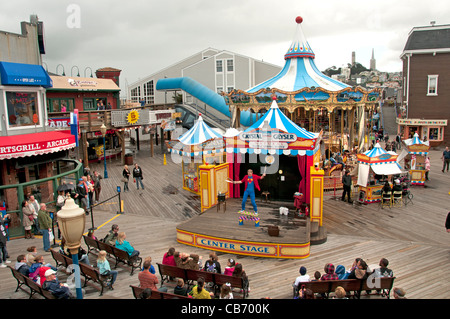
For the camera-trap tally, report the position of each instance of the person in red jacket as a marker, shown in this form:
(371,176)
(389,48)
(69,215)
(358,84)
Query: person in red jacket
(251,183)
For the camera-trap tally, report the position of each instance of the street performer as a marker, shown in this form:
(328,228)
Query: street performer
(251,182)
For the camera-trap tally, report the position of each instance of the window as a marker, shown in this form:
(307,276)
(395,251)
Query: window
(60,105)
(219,66)
(149,93)
(136,94)
(432,85)
(230,66)
(21,107)
(219,89)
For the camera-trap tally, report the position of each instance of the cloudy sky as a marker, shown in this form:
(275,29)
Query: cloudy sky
(141,37)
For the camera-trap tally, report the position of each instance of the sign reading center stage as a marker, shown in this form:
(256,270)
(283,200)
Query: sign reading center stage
(236,247)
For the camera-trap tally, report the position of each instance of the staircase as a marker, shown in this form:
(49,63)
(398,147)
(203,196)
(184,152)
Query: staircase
(388,116)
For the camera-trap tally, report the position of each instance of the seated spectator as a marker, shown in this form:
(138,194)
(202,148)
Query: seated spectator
(82,254)
(225,292)
(383,271)
(317,275)
(22,266)
(59,290)
(180,289)
(340,293)
(31,255)
(199,291)
(151,269)
(303,276)
(105,269)
(399,293)
(397,186)
(304,293)
(229,267)
(149,280)
(145,294)
(111,237)
(91,234)
(168,258)
(212,264)
(329,273)
(122,243)
(340,271)
(240,273)
(186,261)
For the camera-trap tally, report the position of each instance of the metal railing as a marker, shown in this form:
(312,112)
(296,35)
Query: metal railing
(44,190)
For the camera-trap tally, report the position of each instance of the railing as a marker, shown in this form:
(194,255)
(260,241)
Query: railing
(44,190)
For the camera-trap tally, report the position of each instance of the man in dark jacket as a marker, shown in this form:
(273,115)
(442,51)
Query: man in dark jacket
(347,183)
(59,290)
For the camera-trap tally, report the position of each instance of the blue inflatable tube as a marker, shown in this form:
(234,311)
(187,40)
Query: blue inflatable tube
(204,94)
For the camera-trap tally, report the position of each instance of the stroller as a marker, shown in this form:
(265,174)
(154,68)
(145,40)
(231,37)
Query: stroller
(406,191)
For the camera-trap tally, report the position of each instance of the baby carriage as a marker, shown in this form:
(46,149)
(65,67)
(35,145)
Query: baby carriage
(406,191)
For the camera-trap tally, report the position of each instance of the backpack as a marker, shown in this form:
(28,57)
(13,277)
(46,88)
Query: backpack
(211,267)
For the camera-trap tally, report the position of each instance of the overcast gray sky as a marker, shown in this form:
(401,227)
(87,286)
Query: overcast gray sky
(141,37)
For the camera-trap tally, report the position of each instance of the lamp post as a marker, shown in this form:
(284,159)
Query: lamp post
(103,130)
(71,221)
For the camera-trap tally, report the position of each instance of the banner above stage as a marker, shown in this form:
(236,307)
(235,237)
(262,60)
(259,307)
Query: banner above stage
(267,140)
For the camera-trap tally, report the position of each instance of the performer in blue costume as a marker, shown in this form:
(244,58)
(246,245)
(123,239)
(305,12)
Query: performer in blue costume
(251,182)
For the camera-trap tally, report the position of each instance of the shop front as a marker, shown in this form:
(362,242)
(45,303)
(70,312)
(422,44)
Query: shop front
(32,153)
(427,130)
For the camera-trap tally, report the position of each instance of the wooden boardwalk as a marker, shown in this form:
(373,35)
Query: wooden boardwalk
(412,238)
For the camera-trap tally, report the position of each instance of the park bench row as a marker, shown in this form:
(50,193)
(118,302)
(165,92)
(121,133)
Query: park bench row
(89,273)
(155,294)
(120,256)
(34,287)
(191,276)
(353,287)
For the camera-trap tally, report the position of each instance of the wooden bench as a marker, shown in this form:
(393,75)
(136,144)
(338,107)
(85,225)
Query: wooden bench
(235,282)
(190,276)
(155,294)
(91,274)
(120,256)
(60,259)
(353,287)
(166,272)
(33,286)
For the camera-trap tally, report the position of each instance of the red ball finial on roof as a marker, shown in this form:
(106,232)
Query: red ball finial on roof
(299,19)
(274,97)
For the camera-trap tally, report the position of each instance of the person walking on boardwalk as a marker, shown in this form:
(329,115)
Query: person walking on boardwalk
(445,159)
(251,182)
(137,175)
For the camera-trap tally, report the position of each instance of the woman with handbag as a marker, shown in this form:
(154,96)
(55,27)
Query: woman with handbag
(126,177)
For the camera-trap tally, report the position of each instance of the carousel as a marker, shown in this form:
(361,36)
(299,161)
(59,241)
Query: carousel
(374,168)
(311,99)
(415,157)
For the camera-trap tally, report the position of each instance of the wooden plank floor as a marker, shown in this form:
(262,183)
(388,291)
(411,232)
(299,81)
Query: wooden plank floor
(412,238)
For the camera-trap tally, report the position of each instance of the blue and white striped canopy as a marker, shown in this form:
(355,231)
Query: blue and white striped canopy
(375,151)
(300,71)
(276,119)
(415,140)
(198,134)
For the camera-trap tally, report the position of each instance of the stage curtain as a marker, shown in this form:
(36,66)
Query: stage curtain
(301,160)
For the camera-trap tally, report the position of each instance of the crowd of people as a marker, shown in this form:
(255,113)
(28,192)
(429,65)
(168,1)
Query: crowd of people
(358,270)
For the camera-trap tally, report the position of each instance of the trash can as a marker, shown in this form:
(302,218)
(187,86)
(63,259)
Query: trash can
(129,159)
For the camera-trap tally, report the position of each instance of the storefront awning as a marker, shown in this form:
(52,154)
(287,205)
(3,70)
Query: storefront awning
(24,74)
(35,144)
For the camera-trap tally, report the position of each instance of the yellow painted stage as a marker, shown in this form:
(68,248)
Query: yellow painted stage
(220,230)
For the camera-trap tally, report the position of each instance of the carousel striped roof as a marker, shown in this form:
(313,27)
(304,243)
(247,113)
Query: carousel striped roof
(415,140)
(275,118)
(199,133)
(299,70)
